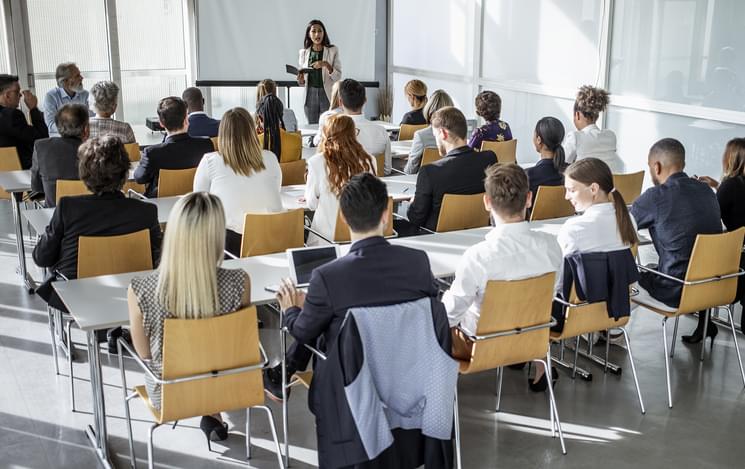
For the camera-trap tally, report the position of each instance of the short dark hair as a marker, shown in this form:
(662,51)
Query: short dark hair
(451,119)
(670,151)
(172,112)
(103,164)
(193,98)
(71,120)
(507,187)
(6,81)
(352,94)
(363,200)
(488,105)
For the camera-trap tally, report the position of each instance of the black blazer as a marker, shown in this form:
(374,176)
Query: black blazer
(461,171)
(543,174)
(414,118)
(15,132)
(202,125)
(178,151)
(54,158)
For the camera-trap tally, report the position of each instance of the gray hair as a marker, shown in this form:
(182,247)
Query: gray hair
(64,72)
(439,99)
(105,95)
(72,120)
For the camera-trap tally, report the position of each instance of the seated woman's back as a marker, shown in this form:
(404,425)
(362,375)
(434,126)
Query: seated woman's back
(489,107)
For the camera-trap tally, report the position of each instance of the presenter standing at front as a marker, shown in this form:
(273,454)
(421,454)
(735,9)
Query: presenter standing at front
(323,58)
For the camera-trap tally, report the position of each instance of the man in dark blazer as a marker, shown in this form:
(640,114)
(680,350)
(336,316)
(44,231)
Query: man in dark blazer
(14,129)
(57,157)
(178,151)
(200,124)
(460,171)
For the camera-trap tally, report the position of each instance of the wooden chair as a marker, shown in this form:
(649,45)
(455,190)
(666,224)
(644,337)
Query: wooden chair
(214,143)
(292,146)
(209,366)
(461,212)
(407,131)
(506,151)
(175,181)
(430,155)
(268,233)
(293,172)
(549,203)
(9,161)
(341,229)
(710,282)
(133,151)
(513,328)
(380,165)
(629,185)
(73,187)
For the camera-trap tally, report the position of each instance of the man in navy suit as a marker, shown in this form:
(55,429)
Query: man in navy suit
(373,273)
(200,124)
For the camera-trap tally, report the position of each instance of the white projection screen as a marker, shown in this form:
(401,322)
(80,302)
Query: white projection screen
(253,40)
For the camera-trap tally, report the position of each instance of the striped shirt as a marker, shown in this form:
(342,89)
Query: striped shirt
(100,126)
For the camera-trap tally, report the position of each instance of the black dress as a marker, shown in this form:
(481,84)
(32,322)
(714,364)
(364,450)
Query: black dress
(414,118)
(731,197)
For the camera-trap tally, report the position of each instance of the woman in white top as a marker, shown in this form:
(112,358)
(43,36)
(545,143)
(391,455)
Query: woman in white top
(589,141)
(340,157)
(244,177)
(319,55)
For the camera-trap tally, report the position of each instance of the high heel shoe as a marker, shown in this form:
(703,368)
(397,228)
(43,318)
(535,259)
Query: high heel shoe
(698,334)
(210,425)
(542,384)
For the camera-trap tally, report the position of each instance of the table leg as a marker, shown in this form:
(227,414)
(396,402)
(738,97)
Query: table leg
(97,434)
(15,200)
(285,407)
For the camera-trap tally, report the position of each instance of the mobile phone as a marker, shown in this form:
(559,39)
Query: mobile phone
(272,288)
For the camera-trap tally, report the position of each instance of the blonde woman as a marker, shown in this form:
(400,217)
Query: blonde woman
(425,138)
(416,94)
(268,86)
(188,284)
(334,109)
(244,177)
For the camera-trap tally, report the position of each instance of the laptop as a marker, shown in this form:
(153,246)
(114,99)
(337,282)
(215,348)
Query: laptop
(302,261)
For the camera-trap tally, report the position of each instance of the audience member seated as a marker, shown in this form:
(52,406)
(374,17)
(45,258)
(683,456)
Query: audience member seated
(105,100)
(510,251)
(69,90)
(373,137)
(340,157)
(15,131)
(425,138)
(200,124)
(335,108)
(57,157)
(188,284)
(589,141)
(489,106)
(547,138)
(459,171)
(416,95)
(244,177)
(178,151)
(269,124)
(676,210)
(267,87)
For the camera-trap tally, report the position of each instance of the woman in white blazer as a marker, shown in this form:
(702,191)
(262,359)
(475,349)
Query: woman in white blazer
(323,58)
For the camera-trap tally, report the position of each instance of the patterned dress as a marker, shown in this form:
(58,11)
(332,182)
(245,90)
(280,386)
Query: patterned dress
(497,131)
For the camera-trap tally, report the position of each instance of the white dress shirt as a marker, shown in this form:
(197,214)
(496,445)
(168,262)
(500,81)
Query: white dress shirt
(595,230)
(257,193)
(374,139)
(510,251)
(593,142)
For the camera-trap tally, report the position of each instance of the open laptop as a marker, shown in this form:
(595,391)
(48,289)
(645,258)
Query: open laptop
(302,261)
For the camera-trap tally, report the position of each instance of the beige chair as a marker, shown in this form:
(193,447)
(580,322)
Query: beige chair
(292,146)
(214,143)
(341,229)
(133,151)
(461,212)
(293,172)
(629,185)
(513,328)
(269,233)
(175,181)
(380,165)
(73,187)
(550,203)
(506,151)
(9,161)
(407,131)
(710,282)
(430,155)
(209,366)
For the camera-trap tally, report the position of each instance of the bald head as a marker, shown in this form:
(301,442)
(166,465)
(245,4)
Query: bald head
(666,157)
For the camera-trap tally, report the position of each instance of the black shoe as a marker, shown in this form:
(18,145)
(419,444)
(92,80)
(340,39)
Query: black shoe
(698,334)
(211,426)
(273,384)
(542,384)
(113,334)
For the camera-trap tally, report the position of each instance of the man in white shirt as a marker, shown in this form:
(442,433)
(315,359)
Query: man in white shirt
(372,136)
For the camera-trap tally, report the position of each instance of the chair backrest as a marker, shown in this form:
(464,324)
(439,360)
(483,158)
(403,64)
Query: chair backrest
(70,187)
(133,151)
(430,155)
(175,181)
(107,255)
(341,229)
(407,130)
(292,146)
(713,255)
(380,165)
(293,172)
(461,212)
(268,233)
(629,185)
(549,202)
(139,188)
(509,305)
(214,143)
(586,318)
(506,151)
(9,161)
(196,346)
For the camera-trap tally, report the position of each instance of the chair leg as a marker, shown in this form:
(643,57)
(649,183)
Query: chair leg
(500,373)
(552,403)
(633,368)
(150,463)
(270,416)
(248,433)
(52,330)
(456,426)
(675,335)
(68,334)
(667,364)
(607,350)
(734,339)
(707,313)
(576,354)
(127,415)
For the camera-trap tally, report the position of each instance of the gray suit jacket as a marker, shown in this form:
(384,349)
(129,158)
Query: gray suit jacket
(54,158)
(423,138)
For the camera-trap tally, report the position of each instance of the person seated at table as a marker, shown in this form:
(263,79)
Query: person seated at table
(416,95)
(340,156)
(675,210)
(178,151)
(269,124)
(244,177)
(57,157)
(69,90)
(200,124)
(489,107)
(334,108)
(425,138)
(547,138)
(267,87)
(355,279)
(188,284)
(15,131)
(510,251)
(106,100)
(459,171)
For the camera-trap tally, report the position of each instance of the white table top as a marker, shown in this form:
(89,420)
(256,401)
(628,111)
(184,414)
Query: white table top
(16,181)
(312,129)
(146,137)
(401,148)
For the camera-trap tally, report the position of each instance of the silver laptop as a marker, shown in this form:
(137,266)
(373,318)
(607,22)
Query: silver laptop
(302,261)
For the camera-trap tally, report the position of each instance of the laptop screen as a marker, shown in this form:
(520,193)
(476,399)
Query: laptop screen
(305,260)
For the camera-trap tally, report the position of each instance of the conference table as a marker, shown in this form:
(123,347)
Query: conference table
(16,183)
(310,130)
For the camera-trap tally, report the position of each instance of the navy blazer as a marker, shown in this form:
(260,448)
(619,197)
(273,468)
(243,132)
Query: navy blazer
(15,132)
(202,125)
(543,173)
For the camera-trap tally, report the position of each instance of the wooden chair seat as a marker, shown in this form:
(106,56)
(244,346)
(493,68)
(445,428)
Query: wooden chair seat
(9,161)
(269,233)
(506,151)
(293,172)
(629,185)
(462,212)
(430,155)
(292,146)
(380,165)
(407,130)
(133,151)
(550,203)
(175,181)
(142,393)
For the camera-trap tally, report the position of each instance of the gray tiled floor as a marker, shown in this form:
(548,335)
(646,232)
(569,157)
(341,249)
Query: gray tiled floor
(601,419)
